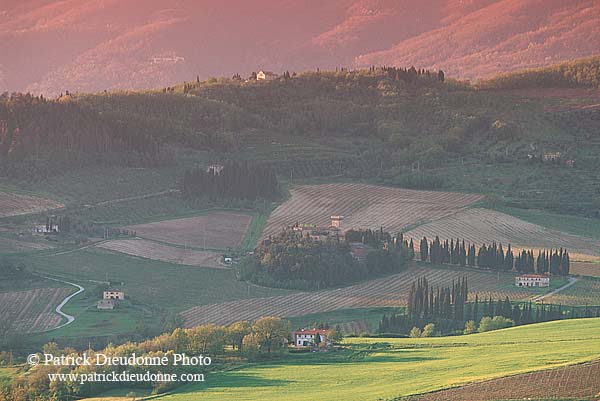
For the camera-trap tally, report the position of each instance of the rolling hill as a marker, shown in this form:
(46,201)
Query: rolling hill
(81,45)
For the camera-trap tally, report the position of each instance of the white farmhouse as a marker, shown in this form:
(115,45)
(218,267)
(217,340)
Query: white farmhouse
(114,294)
(265,76)
(305,338)
(532,280)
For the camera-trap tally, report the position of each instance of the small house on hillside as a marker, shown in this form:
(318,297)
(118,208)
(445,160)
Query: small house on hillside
(215,168)
(265,76)
(551,156)
(46,229)
(532,280)
(112,294)
(307,338)
(105,304)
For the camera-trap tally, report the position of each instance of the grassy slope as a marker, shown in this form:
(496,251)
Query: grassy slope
(386,368)
(587,227)
(154,288)
(154,283)
(371,315)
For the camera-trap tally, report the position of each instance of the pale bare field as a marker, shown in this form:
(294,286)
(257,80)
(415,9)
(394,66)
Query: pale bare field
(387,291)
(586,268)
(33,310)
(12,204)
(155,251)
(365,206)
(11,245)
(483,226)
(219,230)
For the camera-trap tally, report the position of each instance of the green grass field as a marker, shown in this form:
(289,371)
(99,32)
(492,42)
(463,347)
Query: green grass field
(158,284)
(382,369)
(586,227)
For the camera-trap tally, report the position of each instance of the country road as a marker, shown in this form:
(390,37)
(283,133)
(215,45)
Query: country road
(572,280)
(70,319)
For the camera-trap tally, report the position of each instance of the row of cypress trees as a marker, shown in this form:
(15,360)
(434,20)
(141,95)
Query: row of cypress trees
(494,257)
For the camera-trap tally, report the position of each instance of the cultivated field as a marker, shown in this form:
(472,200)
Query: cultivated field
(12,204)
(386,291)
(219,230)
(585,269)
(390,368)
(10,245)
(156,251)
(33,310)
(365,206)
(486,226)
(570,382)
(586,291)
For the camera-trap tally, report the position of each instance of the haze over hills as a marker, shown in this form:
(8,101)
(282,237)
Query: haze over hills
(51,46)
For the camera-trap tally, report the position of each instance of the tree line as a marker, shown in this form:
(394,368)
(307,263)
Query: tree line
(264,338)
(232,180)
(556,262)
(448,309)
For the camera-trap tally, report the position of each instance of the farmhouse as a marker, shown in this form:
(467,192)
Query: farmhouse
(45,229)
(532,280)
(106,304)
(215,168)
(306,338)
(114,294)
(551,156)
(334,230)
(265,76)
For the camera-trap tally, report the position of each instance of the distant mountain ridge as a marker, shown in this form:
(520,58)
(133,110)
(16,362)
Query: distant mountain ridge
(51,46)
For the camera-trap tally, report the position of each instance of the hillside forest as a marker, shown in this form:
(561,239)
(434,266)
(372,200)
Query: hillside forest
(393,126)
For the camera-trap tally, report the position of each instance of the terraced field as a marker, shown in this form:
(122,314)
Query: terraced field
(12,204)
(386,291)
(365,206)
(219,230)
(486,226)
(156,251)
(32,311)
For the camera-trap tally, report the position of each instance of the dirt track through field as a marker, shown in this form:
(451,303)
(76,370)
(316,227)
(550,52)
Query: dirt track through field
(365,206)
(386,291)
